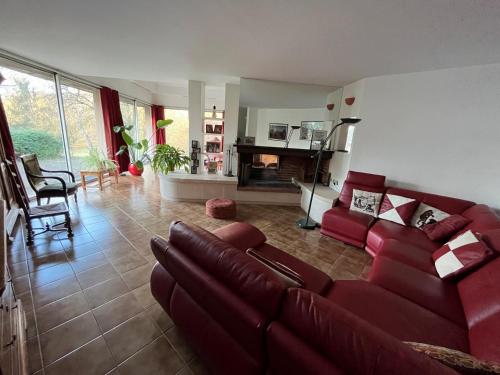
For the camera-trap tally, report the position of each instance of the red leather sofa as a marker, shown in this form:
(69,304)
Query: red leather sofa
(404,295)
(241,318)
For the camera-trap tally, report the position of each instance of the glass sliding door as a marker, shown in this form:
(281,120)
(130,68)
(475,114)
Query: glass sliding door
(144,126)
(177,134)
(84,129)
(30,101)
(127,108)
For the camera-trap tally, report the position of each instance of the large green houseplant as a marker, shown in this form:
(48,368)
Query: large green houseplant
(139,151)
(168,159)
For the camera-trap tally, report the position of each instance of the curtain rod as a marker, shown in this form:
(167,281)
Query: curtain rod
(48,69)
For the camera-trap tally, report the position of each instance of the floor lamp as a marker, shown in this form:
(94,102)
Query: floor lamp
(307,222)
(288,139)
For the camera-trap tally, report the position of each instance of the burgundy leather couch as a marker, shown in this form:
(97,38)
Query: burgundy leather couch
(241,318)
(405,296)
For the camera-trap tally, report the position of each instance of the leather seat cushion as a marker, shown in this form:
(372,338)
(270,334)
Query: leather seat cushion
(345,225)
(383,230)
(396,315)
(70,187)
(411,255)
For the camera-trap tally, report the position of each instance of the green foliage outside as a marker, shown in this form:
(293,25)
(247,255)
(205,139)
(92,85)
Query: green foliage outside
(41,143)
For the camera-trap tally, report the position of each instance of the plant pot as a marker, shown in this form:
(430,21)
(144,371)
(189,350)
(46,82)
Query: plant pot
(134,170)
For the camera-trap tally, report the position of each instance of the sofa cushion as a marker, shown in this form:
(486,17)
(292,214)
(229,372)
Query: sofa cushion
(420,287)
(480,295)
(483,219)
(366,202)
(397,209)
(361,181)
(444,229)
(426,214)
(460,255)
(347,226)
(241,235)
(383,230)
(312,278)
(333,338)
(462,362)
(441,202)
(396,315)
(410,255)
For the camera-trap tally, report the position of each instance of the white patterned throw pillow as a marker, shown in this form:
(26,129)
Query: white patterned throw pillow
(366,202)
(426,214)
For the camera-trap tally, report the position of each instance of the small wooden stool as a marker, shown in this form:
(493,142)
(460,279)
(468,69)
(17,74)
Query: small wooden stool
(220,208)
(101,175)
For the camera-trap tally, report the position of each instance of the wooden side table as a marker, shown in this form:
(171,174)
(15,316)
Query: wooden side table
(100,175)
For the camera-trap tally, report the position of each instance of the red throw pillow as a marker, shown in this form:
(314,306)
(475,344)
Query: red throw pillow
(397,209)
(460,255)
(444,229)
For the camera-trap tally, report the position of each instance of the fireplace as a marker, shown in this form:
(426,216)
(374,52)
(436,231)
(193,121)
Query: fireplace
(274,169)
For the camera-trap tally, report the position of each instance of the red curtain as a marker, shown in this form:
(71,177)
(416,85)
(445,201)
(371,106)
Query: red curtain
(158,113)
(8,146)
(112,116)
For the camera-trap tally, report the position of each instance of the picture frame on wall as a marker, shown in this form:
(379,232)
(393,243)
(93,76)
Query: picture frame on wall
(250,141)
(278,131)
(194,155)
(218,129)
(196,162)
(209,128)
(316,138)
(194,169)
(307,128)
(195,144)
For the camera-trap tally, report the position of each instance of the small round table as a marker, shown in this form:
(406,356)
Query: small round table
(220,208)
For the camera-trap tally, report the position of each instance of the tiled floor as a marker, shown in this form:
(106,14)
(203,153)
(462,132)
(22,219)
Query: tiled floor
(88,303)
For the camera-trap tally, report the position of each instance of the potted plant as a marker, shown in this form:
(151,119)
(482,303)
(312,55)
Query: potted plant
(96,161)
(167,159)
(139,151)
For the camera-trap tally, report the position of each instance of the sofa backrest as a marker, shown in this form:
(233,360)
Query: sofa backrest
(360,181)
(447,204)
(316,336)
(480,296)
(483,219)
(235,290)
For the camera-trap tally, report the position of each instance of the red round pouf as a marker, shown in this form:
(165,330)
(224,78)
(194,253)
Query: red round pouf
(220,208)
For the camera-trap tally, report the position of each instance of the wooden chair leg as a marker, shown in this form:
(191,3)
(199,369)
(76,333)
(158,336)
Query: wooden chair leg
(66,200)
(38,200)
(76,198)
(48,200)
(29,234)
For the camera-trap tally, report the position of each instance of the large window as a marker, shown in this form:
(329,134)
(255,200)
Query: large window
(177,134)
(127,108)
(144,127)
(30,102)
(82,111)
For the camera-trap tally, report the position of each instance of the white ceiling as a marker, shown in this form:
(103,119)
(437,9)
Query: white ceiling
(329,42)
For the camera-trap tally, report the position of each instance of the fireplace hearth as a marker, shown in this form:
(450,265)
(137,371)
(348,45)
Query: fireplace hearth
(263,168)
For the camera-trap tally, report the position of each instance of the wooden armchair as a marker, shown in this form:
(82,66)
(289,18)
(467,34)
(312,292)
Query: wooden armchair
(39,212)
(43,188)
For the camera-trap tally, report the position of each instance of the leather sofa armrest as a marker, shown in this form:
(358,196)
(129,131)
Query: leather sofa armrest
(286,274)
(241,236)
(159,246)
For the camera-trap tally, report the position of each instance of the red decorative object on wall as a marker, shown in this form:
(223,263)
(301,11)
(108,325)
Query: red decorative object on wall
(330,106)
(350,100)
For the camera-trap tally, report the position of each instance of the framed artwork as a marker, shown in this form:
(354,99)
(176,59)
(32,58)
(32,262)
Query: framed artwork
(218,129)
(249,141)
(194,169)
(196,162)
(209,128)
(278,132)
(194,155)
(195,144)
(307,128)
(317,137)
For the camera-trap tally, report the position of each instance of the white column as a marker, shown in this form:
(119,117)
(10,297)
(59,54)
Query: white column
(196,107)
(232,106)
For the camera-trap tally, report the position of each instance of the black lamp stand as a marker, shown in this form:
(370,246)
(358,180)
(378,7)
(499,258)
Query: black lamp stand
(307,222)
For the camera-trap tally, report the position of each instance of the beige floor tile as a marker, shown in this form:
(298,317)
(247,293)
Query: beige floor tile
(96,275)
(180,344)
(60,311)
(79,251)
(130,336)
(144,296)
(91,359)
(128,262)
(67,337)
(138,276)
(117,311)
(46,261)
(56,290)
(156,358)
(85,263)
(106,291)
(51,274)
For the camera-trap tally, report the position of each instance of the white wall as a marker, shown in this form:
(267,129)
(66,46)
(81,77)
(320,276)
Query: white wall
(434,131)
(290,116)
(232,105)
(124,87)
(339,166)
